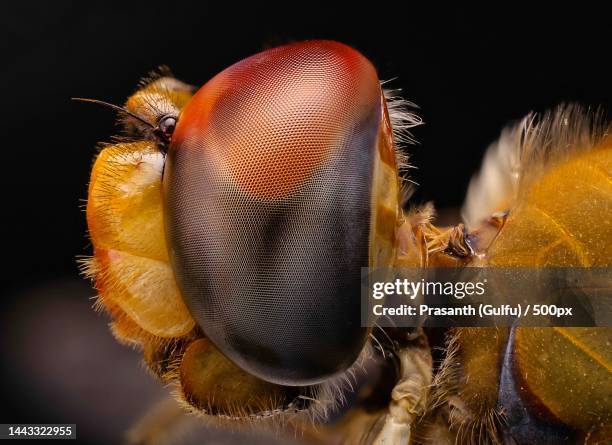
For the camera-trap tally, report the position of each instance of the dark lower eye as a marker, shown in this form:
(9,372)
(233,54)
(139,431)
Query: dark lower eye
(268,194)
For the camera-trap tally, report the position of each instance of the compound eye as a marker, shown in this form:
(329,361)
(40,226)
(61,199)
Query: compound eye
(166,127)
(268,191)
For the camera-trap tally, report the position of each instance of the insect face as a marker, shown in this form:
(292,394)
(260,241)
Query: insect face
(271,195)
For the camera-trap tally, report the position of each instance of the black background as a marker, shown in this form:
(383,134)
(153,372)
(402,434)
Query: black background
(471,71)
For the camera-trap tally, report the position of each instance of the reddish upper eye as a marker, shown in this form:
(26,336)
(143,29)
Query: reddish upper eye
(269,121)
(268,196)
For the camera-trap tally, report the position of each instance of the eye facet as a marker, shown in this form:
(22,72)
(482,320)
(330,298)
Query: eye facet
(269,202)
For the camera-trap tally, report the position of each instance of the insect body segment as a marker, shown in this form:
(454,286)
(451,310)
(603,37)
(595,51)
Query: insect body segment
(531,385)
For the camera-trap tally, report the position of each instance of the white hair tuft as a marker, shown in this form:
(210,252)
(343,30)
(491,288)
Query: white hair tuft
(525,152)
